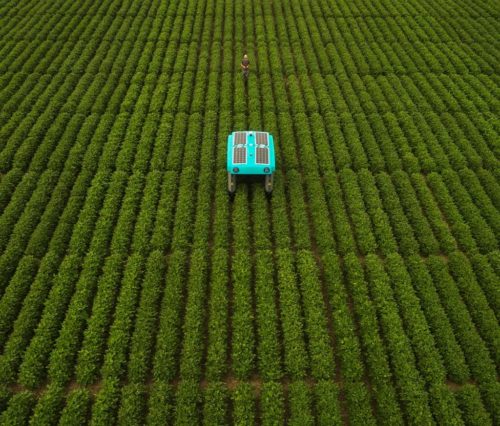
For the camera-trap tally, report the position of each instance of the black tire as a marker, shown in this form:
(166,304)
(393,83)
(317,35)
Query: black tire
(268,185)
(231,183)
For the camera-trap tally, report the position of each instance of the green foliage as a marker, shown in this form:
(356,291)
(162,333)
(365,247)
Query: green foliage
(120,332)
(272,404)
(5,395)
(403,232)
(243,341)
(132,405)
(484,236)
(15,293)
(268,346)
(19,409)
(472,294)
(490,392)
(321,357)
(459,228)
(343,322)
(193,327)
(415,323)
(243,405)
(187,407)
(107,401)
(49,406)
(217,316)
(340,218)
(439,323)
(371,340)
(215,406)
(300,404)
(142,341)
(327,403)
(35,359)
(423,232)
(474,348)
(380,221)
(487,279)
(134,290)
(471,406)
(434,216)
(291,316)
(356,207)
(444,405)
(358,404)
(168,335)
(408,378)
(77,408)
(160,404)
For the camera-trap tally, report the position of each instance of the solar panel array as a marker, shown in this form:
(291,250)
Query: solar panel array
(240,152)
(261,138)
(240,148)
(240,138)
(240,155)
(262,156)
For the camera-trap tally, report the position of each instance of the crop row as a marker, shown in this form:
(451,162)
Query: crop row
(191,403)
(188,403)
(425,318)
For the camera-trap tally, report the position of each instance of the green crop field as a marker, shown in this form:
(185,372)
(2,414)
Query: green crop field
(365,290)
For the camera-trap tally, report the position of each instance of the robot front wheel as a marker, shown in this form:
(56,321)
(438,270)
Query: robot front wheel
(231,183)
(269,184)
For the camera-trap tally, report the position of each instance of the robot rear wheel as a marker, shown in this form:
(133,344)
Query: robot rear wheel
(231,183)
(269,184)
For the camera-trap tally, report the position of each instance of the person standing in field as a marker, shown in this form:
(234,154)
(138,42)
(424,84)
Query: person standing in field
(245,66)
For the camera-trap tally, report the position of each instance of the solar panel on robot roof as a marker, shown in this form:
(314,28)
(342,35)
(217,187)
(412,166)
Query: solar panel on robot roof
(261,138)
(240,155)
(240,138)
(262,155)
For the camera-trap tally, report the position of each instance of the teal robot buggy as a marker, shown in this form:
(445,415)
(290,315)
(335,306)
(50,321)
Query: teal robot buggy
(250,152)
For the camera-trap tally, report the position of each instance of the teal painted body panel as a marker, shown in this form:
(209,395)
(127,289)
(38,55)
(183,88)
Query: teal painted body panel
(251,152)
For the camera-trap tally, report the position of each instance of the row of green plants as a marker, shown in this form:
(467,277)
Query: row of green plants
(188,403)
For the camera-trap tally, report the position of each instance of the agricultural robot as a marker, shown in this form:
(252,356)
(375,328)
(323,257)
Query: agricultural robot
(250,152)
